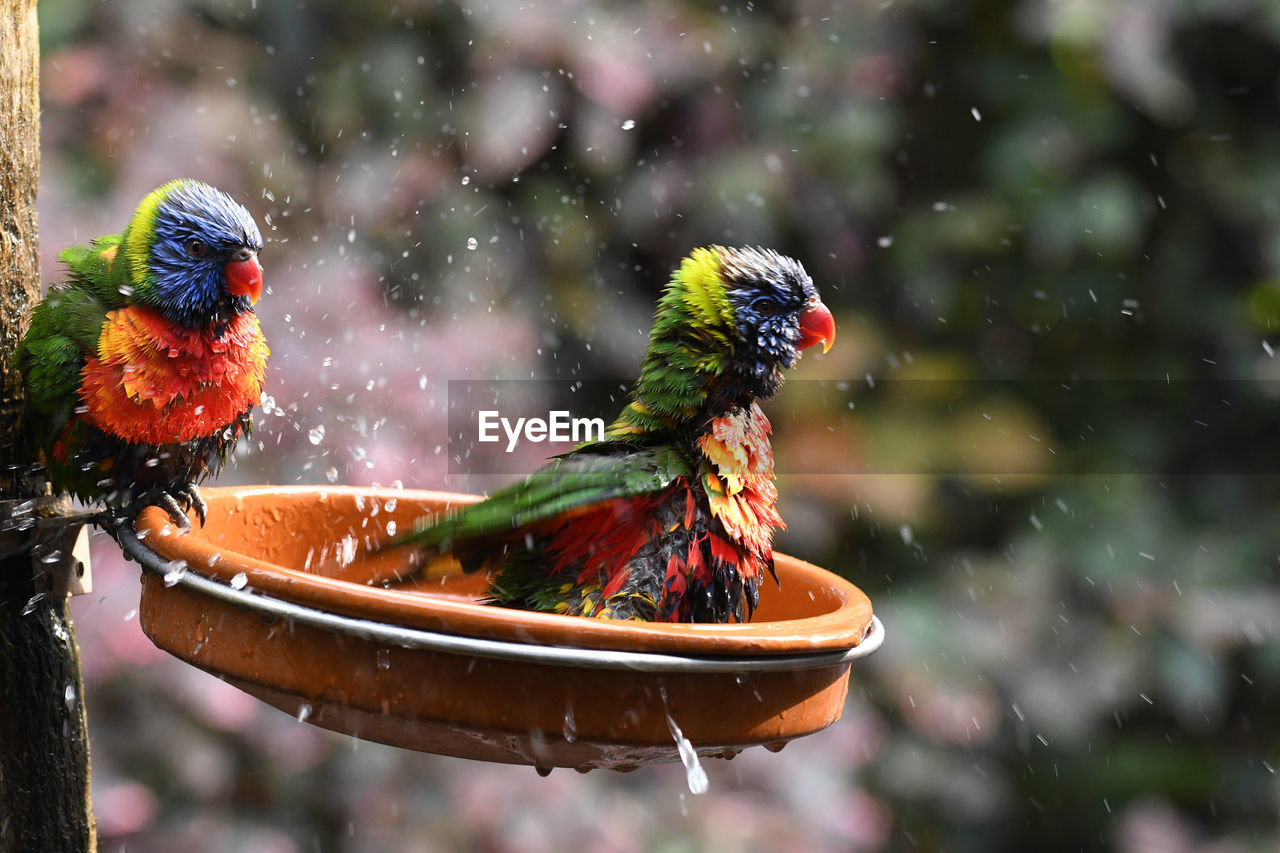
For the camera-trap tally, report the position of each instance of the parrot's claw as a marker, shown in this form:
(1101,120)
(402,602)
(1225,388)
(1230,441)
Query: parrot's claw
(170,504)
(190,495)
(166,500)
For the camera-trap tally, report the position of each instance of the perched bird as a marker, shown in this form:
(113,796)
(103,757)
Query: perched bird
(670,517)
(142,368)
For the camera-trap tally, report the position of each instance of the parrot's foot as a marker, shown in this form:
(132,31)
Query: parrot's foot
(190,495)
(170,504)
(174,501)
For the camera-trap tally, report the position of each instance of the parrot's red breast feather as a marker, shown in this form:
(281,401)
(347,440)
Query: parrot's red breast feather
(156,383)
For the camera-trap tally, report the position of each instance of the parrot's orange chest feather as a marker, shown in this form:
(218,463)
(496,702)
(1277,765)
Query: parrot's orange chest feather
(741,489)
(156,383)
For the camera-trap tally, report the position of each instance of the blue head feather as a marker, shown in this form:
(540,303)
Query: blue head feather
(190,287)
(769,292)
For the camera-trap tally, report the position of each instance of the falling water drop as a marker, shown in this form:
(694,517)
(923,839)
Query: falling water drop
(177,569)
(316,435)
(239,581)
(472,243)
(693,770)
(570,726)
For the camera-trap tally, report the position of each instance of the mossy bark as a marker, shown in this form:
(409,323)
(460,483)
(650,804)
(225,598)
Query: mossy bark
(44,745)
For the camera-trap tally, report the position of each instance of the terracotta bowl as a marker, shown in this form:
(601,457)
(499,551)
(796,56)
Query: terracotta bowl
(279,594)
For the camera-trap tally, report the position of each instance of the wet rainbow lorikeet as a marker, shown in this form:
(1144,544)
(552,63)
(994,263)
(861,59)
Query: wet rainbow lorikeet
(142,368)
(670,517)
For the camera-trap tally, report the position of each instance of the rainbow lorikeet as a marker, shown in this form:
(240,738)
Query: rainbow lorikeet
(142,368)
(670,517)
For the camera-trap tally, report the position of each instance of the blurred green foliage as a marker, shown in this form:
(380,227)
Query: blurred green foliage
(1054,226)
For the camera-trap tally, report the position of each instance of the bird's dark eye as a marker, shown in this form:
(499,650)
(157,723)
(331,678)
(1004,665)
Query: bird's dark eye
(766,307)
(196,248)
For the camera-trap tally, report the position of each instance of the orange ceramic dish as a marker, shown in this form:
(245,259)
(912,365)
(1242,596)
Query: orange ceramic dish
(279,594)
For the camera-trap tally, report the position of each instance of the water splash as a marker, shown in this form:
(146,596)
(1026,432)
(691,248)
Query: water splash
(570,727)
(693,770)
(347,550)
(176,570)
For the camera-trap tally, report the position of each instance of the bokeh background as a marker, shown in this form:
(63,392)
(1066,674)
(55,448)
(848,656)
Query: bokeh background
(1050,234)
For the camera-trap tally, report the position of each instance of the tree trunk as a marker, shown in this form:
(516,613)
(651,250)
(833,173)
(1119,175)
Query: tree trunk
(44,745)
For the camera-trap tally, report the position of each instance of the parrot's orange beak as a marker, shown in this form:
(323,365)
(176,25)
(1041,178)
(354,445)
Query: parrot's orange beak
(817,324)
(244,277)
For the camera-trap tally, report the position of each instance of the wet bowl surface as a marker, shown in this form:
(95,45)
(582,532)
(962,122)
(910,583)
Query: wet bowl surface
(280,594)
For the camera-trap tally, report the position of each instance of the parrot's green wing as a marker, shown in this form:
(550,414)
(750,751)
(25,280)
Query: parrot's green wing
(94,268)
(64,330)
(588,475)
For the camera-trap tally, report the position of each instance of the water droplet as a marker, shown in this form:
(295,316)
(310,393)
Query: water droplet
(885,242)
(977,116)
(347,550)
(391,528)
(384,659)
(629,124)
(331,475)
(177,569)
(239,581)
(304,711)
(316,435)
(570,726)
(472,243)
(696,775)
(466,179)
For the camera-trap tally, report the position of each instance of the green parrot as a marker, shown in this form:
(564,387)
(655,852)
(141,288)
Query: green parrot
(141,370)
(670,516)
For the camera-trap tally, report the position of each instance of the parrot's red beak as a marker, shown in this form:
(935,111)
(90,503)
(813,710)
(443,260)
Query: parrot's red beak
(244,277)
(817,324)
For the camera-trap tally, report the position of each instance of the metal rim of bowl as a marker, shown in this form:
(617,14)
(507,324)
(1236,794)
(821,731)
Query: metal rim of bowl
(416,638)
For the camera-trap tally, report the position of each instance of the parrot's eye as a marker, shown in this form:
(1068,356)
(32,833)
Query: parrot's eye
(196,248)
(767,307)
